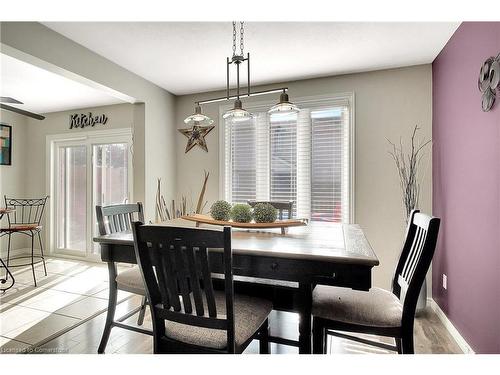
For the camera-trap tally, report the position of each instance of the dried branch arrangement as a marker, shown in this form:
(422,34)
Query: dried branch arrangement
(178,209)
(408,166)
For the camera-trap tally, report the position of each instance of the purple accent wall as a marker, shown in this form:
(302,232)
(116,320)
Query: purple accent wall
(466,187)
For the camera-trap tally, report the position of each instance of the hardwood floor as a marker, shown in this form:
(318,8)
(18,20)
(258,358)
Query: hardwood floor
(430,337)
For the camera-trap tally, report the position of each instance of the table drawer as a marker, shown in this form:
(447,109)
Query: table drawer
(298,270)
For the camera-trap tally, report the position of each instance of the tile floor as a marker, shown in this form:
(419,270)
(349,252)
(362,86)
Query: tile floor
(71,292)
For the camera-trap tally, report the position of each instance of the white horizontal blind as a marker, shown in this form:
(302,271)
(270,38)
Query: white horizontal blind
(304,164)
(302,157)
(241,160)
(262,147)
(327,164)
(283,158)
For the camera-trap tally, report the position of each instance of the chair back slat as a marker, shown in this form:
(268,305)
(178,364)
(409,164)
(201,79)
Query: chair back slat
(113,225)
(415,259)
(128,221)
(26,210)
(118,223)
(118,218)
(167,271)
(160,274)
(182,275)
(207,281)
(412,255)
(194,277)
(175,266)
(403,287)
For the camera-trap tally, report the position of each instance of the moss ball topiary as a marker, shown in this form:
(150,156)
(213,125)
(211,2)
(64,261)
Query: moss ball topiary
(220,210)
(241,213)
(264,213)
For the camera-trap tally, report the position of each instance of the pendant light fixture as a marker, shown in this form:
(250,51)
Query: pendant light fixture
(284,106)
(198,118)
(238,113)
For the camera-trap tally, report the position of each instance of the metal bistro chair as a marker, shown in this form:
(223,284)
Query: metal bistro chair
(189,316)
(114,219)
(281,206)
(380,312)
(25,219)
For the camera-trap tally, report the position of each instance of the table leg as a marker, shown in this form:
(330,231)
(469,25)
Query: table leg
(305,326)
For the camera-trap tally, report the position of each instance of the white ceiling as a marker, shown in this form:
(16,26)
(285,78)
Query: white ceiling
(190,57)
(42,91)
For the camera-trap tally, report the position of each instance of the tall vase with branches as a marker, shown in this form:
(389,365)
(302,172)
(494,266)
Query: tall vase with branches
(408,163)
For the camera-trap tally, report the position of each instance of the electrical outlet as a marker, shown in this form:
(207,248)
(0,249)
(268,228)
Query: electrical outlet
(445,281)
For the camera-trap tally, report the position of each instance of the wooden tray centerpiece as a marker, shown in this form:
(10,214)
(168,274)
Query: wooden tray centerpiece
(283,224)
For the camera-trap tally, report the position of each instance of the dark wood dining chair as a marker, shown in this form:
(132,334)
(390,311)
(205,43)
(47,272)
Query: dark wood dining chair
(281,206)
(378,311)
(189,316)
(25,218)
(114,219)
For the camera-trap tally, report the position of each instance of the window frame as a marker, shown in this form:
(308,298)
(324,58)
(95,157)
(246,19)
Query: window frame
(312,101)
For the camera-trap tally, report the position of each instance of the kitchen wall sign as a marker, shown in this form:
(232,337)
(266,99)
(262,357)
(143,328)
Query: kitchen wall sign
(82,120)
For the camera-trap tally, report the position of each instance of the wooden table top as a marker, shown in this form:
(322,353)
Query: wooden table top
(340,243)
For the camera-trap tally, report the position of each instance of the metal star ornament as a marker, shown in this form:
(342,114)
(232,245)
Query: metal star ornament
(196,136)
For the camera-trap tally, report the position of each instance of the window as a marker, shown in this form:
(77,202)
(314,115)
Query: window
(304,157)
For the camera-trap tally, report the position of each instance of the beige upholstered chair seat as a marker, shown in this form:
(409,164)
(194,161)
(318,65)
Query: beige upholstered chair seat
(249,312)
(131,281)
(376,308)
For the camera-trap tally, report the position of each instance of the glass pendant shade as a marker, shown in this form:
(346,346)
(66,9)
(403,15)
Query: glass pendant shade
(237,113)
(284,106)
(198,118)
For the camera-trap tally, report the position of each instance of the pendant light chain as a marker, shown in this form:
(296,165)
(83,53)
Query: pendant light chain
(241,38)
(234,38)
(242,32)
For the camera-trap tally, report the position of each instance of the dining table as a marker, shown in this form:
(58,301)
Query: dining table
(282,267)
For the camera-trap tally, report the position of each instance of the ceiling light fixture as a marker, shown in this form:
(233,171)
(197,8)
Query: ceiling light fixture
(238,113)
(284,106)
(198,118)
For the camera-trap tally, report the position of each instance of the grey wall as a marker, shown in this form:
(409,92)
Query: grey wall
(119,116)
(388,104)
(13,177)
(154,123)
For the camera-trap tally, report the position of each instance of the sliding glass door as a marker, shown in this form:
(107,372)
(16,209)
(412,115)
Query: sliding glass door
(87,172)
(71,193)
(110,177)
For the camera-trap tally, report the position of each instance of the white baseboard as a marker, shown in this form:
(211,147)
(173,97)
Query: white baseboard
(464,346)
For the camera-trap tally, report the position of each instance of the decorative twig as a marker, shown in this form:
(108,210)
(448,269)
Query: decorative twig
(408,165)
(176,210)
(199,206)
